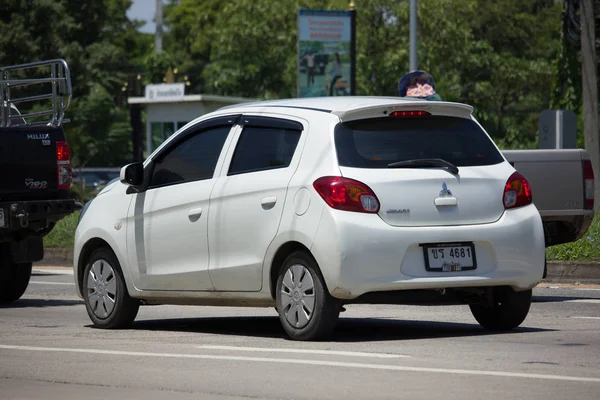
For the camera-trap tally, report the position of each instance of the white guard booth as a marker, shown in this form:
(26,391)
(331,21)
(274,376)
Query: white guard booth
(168,108)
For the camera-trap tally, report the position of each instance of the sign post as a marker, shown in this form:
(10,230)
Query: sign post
(326,53)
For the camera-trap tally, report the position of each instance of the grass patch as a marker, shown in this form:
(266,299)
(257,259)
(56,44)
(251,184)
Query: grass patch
(585,249)
(63,234)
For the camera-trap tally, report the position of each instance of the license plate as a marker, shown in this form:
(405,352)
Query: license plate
(449,257)
(2,223)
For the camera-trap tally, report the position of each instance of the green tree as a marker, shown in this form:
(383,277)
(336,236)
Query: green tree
(101,46)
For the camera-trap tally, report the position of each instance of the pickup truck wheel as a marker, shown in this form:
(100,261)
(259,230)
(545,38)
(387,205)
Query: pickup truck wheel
(14,281)
(509,310)
(306,309)
(106,299)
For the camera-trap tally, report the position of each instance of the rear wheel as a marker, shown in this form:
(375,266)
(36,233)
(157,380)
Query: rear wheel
(106,299)
(15,279)
(306,309)
(507,311)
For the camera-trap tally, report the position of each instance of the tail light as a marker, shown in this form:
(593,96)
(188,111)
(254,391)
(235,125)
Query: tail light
(63,162)
(347,194)
(409,114)
(588,176)
(517,192)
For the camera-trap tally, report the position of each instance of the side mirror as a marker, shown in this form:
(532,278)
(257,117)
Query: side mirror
(132,174)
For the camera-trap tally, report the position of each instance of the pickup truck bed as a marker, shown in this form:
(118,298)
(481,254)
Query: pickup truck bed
(562,186)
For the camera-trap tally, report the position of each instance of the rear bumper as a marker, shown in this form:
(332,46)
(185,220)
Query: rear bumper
(360,253)
(564,226)
(35,215)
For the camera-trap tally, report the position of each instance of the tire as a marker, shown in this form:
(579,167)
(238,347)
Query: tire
(15,279)
(105,294)
(508,311)
(294,304)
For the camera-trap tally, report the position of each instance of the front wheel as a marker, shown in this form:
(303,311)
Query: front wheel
(106,299)
(306,309)
(507,310)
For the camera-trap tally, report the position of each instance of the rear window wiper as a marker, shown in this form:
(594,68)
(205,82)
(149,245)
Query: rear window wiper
(424,163)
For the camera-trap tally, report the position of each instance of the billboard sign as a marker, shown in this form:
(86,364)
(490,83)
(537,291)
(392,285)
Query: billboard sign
(326,53)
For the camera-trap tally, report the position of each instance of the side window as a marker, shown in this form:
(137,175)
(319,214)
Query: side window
(191,160)
(263,148)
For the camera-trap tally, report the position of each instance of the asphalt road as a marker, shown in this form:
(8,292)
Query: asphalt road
(49,351)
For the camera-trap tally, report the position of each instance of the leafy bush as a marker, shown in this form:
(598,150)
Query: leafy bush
(586,248)
(63,234)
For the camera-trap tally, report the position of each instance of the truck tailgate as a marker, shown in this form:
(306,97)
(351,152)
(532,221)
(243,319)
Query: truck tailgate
(28,161)
(556,177)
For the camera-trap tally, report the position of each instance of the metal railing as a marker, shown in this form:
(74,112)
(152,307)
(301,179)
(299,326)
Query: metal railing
(55,86)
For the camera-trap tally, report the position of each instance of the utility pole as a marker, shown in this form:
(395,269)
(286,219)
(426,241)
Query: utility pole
(590,91)
(413,35)
(159,28)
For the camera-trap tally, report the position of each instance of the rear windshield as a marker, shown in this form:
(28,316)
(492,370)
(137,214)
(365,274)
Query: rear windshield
(377,142)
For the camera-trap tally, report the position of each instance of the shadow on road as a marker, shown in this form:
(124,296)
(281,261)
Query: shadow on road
(48,273)
(558,299)
(40,303)
(348,329)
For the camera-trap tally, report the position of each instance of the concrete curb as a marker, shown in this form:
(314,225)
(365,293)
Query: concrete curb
(56,257)
(558,271)
(565,271)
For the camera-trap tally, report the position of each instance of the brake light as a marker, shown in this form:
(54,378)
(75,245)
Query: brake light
(588,176)
(347,194)
(517,192)
(409,114)
(63,163)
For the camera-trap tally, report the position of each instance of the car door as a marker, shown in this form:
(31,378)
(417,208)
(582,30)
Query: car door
(248,200)
(168,236)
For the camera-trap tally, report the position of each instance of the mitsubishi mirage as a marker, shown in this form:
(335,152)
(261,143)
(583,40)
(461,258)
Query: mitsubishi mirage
(308,205)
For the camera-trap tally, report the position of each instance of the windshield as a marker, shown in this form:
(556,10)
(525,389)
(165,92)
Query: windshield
(377,142)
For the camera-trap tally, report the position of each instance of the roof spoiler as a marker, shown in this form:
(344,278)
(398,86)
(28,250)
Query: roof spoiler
(42,88)
(443,108)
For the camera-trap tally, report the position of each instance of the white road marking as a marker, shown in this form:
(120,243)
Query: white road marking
(304,351)
(590,301)
(53,271)
(586,317)
(308,362)
(53,283)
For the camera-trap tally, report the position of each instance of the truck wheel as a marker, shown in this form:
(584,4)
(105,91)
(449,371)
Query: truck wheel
(508,311)
(104,292)
(14,281)
(306,309)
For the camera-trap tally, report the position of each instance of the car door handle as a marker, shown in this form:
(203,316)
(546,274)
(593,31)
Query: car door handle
(268,202)
(194,214)
(446,201)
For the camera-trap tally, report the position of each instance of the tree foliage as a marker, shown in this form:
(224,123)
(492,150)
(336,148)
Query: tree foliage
(101,46)
(508,59)
(498,56)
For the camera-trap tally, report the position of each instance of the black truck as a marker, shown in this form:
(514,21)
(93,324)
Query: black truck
(35,166)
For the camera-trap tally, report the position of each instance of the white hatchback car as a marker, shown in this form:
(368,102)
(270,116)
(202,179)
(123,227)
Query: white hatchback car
(311,204)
